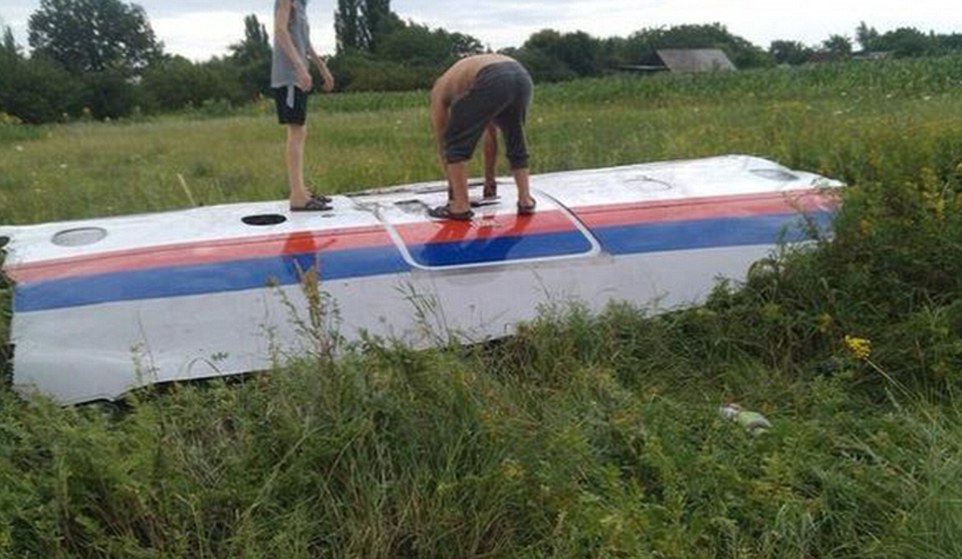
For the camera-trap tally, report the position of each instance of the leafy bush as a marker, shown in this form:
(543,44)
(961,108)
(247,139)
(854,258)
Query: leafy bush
(109,95)
(178,83)
(356,72)
(38,90)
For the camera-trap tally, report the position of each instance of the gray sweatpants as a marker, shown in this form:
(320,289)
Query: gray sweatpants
(500,94)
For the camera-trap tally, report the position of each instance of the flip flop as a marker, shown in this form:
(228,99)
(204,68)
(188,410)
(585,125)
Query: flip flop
(485,201)
(313,205)
(527,209)
(324,199)
(443,212)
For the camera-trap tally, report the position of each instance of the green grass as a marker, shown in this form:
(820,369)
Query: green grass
(582,435)
(820,119)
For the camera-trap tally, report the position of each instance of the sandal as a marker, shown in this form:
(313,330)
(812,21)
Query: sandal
(527,209)
(444,212)
(321,197)
(485,201)
(313,205)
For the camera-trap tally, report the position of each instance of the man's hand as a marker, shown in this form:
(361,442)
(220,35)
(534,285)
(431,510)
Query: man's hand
(328,85)
(327,80)
(304,80)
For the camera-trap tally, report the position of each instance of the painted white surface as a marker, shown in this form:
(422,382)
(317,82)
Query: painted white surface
(101,351)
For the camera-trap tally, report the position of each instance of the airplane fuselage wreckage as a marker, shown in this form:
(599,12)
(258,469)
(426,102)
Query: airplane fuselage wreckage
(103,306)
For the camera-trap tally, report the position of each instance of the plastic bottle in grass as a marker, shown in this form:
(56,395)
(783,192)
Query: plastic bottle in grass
(753,422)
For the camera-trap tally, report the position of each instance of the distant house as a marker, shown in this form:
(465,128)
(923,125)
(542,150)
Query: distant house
(685,60)
(695,60)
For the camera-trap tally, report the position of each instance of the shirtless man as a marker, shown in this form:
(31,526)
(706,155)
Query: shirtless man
(473,94)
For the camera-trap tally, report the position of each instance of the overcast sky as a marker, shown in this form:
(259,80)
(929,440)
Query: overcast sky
(199,29)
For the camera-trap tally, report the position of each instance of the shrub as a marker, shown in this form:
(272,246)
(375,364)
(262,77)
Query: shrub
(37,90)
(356,72)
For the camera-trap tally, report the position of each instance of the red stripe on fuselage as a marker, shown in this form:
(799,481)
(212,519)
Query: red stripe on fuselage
(705,208)
(485,227)
(203,252)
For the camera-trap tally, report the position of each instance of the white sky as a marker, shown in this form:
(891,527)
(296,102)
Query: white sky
(199,29)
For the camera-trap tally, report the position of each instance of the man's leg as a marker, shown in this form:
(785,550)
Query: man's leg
(522,180)
(470,119)
(517,152)
(296,136)
(518,156)
(458,187)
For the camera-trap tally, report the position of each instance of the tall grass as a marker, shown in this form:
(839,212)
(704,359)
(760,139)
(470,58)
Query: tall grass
(839,120)
(582,435)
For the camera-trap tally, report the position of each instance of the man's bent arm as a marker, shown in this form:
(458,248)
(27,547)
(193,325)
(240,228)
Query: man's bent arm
(326,75)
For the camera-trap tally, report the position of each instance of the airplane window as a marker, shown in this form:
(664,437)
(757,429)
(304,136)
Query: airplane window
(81,236)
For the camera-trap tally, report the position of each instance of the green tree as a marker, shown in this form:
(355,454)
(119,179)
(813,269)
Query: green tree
(94,36)
(347,26)
(171,84)
(542,66)
(838,47)
(252,57)
(109,94)
(176,83)
(462,44)
(361,24)
(790,52)
(417,44)
(866,37)
(414,45)
(949,43)
(905,42)
(9,46)
(577,51)
(37,90)
(611,52)
(379,22)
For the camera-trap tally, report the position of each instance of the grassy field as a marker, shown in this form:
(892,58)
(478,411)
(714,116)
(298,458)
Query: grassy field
(583,435)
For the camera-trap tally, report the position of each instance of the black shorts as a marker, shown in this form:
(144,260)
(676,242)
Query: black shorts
(291,105)
(500,94)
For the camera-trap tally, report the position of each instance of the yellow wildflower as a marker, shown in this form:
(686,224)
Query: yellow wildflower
(860,347)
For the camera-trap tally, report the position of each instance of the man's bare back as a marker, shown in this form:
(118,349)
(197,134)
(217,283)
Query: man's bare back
(460,76)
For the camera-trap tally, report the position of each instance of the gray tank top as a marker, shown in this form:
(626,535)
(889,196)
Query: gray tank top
(282,68)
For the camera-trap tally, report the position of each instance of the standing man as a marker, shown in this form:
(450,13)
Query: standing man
(474,93)
(291,83)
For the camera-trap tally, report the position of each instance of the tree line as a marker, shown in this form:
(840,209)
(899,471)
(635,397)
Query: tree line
(100,58)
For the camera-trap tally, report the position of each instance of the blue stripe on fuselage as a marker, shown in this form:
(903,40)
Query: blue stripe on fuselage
(238,275)
(707,233)
(493,250)
(216,277)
